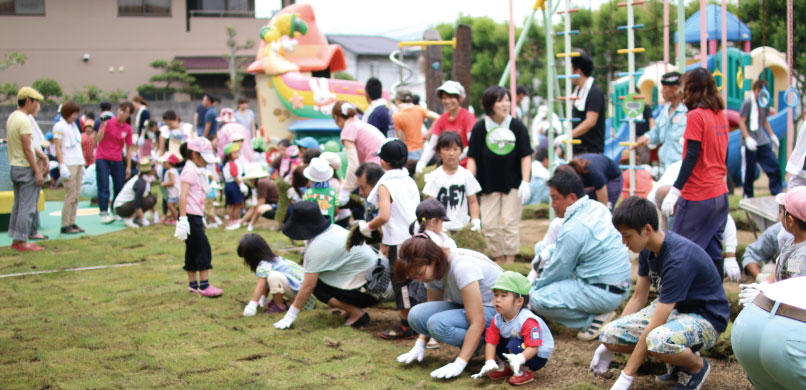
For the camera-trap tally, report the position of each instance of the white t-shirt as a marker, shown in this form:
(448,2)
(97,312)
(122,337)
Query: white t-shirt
(452,191)
(405,198)
(466,269)
(174,190)
(176,137)
(71,142)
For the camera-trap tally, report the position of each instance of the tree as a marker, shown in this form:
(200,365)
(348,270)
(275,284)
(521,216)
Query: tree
(90,94)
(235,65)
(12,58)
(342,75)
(174,78)
(48,88)
(8,92)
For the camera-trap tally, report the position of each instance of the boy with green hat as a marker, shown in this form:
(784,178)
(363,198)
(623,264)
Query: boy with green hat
(516,335)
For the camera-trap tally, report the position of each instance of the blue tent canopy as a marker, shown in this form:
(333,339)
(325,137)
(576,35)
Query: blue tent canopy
(713,24)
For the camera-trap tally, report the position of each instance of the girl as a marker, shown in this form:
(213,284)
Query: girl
(234,189)
(431,214)
(170,181)
(190,227)
(288,159)
(453,185)
(361,141)
(278,276)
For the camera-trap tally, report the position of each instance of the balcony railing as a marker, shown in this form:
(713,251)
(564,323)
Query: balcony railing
(222,13)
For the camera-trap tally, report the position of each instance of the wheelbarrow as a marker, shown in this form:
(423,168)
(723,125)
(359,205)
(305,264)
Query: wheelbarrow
(762,212)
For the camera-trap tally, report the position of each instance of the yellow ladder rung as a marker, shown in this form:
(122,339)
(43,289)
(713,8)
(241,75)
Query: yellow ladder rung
(571,54)
(572,142)
(636,50)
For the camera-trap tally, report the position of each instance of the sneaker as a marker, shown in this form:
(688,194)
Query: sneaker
(670,377)
(212,225)
(194,290)
(233,226)
(689,381)
(117,217)
(27,247)
(77,229)
(144,222)
(501,374)
(432,344)
(170,222)
(522,379)
(250,228)
(211,292)
(592,333)
(398,333)
(130,223)
(107,219)
(273,308)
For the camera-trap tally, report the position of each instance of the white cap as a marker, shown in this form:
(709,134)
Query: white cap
(453,88)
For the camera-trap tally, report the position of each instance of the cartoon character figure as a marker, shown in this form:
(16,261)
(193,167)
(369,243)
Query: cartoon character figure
(322,96)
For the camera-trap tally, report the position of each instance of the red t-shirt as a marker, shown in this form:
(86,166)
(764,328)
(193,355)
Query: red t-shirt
(707,180)
(116,135)
(462,124)
(531,334)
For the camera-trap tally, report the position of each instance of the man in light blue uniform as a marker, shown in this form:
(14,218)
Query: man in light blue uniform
(588,274)
(670,123)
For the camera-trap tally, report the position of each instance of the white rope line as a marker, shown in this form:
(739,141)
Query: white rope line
(76,269)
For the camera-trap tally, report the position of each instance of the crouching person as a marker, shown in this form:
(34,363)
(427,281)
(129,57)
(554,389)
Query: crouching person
(688,316)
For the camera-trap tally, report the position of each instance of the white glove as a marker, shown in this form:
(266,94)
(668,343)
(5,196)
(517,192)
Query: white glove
(732,269)
(417,352)
(344,197)
(244,189)
(667,207)
(775,142)
(288,319)
(450,370)
(141,140)
(64,172)
(560,140)
(363,227)
(420,167)
(475,225)
(489,366)
(262,301)
(515,362)
(748,293)
(250,309)
(623,382)
(182,228)
(464,151)
(601,360)
(524,192)
(750,144)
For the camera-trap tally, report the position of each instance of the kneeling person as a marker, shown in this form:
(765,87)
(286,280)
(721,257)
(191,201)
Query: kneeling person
(688,316)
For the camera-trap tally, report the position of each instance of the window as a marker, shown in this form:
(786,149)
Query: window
(144,7)
(227,8)
(22,7)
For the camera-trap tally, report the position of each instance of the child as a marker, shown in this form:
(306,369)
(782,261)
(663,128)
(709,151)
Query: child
(88,144)
(299,184)
(234,189)
(516,335)
(688,316)
(453,185)
(319,172)
(259,148)
(278,276)
(396,196)
(190,227)
(431,216)
(285,163)
(170,181)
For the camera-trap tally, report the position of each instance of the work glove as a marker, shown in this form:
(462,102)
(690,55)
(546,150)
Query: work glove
(262,301)
(748,293)
(64,172)
(344,197)
(524,192)
(450,370)
(416,353)
(667,207)
(623,382)
(775,142)
(750,144)
(601,360)
(732,269)
(288,319)
(363,227)
(475,225)
(489,366)
(244,189)
(182,228)
(420,167)
(560,140)
(141,140)
(250,309)
(515,362)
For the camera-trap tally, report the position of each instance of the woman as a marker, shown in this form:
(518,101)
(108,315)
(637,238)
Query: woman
(361,141)
(600,175)
(333,274)
(113,134)
(140,126)
(499,155)
(700,191)
(455,118)
(245,116)
(67,140)
(460,302)
(174,133)
(408,122)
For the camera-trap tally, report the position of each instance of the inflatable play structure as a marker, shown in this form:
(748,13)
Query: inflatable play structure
(292,71)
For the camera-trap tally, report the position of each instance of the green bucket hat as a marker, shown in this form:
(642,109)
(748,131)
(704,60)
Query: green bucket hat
(258,144)
(514,282)
(332,146)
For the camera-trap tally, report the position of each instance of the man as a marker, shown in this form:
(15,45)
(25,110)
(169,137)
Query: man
(520,93)
(588,274)
(198,116)
(377,113)
(688,316)
(759,142)
(589,109)
(210,122)
(671,123)
(27,176)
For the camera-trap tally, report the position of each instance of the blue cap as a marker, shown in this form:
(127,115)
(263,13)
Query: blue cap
(307,143)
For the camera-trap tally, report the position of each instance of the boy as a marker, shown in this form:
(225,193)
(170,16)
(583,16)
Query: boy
(688,316)
(396,196)
(319,172)
(516,334)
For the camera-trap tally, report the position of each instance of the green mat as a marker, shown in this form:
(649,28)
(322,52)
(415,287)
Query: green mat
(87,218)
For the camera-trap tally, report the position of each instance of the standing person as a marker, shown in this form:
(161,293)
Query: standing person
(26,175)
(174,133)
(190,227)
(39,141)
(88,144)
(199,115)
(454,186)
(106,113)
(361,141)
(671,123)
(210,121)
(520,93)
(245,116)
(589,109)
(600,176)
(702,208)
(67,140)
(642,154)
(114,134)
(499,156)
(377,114)
(408,121)
(760,142)
(455,118)
(796,165)
(140,125)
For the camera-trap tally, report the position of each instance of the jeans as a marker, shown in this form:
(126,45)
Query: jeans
(103,168)
(445,321)
(765,157)
(23,210)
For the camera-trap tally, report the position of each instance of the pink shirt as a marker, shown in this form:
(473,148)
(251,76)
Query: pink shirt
(367,139)
(115,136)
(194,204)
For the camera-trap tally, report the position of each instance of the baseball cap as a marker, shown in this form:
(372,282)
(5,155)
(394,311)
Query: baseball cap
(307,143)
(514,282)
(28,92)
(452,88)
(671,78)
(146,165)
(88,123)
(202,146)
(393,150)
(236,136)
(794,201)
(404,95)
(430,208)
(172,159)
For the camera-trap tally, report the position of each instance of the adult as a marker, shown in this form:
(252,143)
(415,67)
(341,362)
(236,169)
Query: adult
(174,133)
(499,155)
(455,118)
(245,116)
(377,114)
(760,143)
(671,123)
(112,136)
(702,208)
(135,198)
(211,120)
(588,274)
(642,152)
(67,142)
(267,194)
(198,117)
(41,144)
(601,177)
(520,93)
(408,121)
(27,176)
(333,274)
(141,116)
(460,299)
(589,109)
(361,141)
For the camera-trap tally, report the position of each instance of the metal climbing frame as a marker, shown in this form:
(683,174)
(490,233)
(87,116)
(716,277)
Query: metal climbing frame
(631,74)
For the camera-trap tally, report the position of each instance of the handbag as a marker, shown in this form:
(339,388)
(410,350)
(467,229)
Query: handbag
(379,280)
